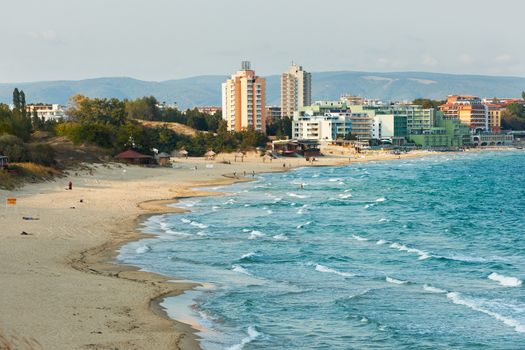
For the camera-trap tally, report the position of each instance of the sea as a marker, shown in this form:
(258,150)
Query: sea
(423,253)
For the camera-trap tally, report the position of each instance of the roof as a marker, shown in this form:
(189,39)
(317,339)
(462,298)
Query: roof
(130,154)
(210,153)
(163,155)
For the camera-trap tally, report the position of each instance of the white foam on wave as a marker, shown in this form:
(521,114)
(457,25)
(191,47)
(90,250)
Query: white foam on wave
(383,220)
(368,206)
(382,199)
(252,335)
(215,208)
(395,281)
(345,196)
(326,269)
(269,211)
(359,238)
(403,248)
(431,289)
(240,269)
(142,249)
(280,237)
(186,221)
(248,255)
(198,224)
(381,242)
(334,180)
(302,196)
(303,225)
(255,234)
(505,280)
(458,299)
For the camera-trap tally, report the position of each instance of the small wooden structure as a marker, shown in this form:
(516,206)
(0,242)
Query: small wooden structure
(133,157)
(293,148)
(3,162)
(163,159)
(210,155)
(183,153)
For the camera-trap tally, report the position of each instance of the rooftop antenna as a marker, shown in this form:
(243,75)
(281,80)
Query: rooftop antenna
(245,65)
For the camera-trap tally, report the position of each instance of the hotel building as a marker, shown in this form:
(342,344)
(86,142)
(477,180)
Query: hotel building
(47,111)
(296,90)
(469,110)
(243,100)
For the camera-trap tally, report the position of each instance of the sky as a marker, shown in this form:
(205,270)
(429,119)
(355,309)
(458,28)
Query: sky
(171,39)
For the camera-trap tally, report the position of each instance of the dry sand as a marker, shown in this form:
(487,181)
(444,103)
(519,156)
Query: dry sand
(59,286)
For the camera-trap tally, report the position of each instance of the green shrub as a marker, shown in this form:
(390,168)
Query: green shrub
(13,147)
(40,153)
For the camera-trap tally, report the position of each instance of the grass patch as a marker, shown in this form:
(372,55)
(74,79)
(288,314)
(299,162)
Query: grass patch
(20,173)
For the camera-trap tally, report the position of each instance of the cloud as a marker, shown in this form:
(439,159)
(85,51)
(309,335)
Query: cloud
(428,60)
(465,58)
(503,58)
(49,36)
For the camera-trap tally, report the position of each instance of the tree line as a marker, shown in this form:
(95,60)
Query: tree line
(116,124)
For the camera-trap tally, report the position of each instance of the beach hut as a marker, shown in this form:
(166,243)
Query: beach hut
(163,159)
(183,153)
(134,157)
(3,162)
(210,155)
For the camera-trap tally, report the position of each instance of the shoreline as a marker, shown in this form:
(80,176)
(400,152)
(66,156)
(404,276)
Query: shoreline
(165,204)
(99,248)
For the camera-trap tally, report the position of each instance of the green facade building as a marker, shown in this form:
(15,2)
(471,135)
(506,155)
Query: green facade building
(446,133)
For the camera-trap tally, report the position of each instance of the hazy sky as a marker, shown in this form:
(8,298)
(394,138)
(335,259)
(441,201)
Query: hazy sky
(167,39)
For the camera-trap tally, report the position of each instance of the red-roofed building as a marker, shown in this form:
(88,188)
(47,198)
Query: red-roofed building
(134,157)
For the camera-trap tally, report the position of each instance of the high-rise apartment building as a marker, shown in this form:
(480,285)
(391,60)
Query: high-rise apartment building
(243,100)
(296,90)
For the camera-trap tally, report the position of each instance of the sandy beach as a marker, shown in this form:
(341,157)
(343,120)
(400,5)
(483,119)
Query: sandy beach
(60,288)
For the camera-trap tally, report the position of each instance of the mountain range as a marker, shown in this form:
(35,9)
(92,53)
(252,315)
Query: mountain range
(206,90)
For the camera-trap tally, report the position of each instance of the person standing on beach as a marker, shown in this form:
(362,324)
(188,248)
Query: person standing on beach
(70,185)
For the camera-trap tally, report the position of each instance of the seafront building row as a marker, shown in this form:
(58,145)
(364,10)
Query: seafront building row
(461,120)
(397,124)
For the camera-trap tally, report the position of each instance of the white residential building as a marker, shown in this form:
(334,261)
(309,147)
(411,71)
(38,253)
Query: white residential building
(296,90)
(47,111)
(326,127)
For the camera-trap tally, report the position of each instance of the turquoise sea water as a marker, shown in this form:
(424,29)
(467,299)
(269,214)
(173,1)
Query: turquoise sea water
(412,254)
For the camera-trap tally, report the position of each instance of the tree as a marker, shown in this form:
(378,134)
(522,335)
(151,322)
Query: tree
(16,99)
(23,102)
(98,110)
(523,95)
(144,108)
(513,117)
(428,103)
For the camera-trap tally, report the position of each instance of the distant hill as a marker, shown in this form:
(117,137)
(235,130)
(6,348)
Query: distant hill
(206,90)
